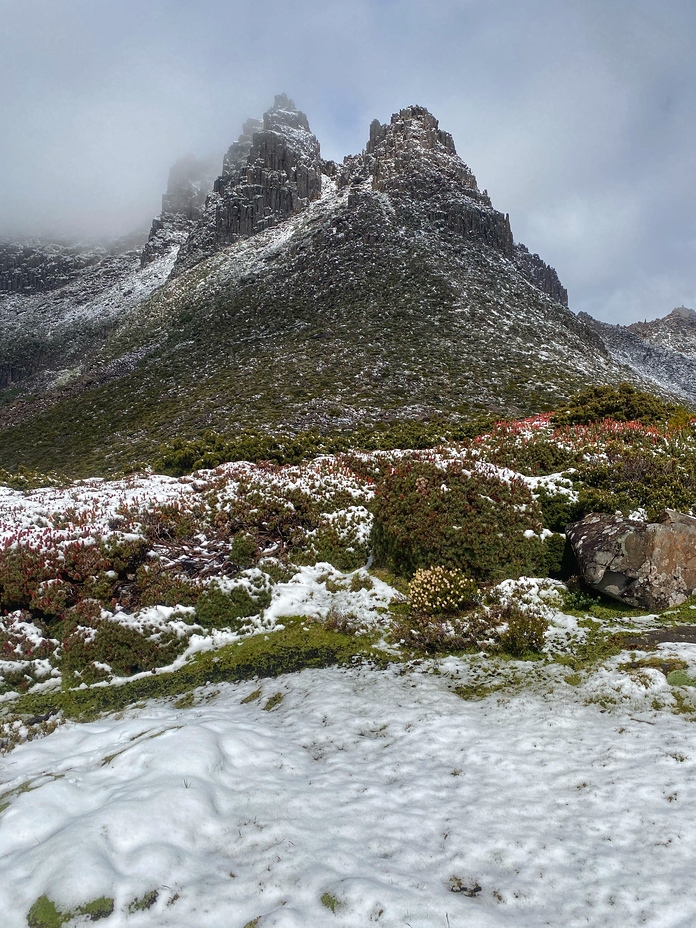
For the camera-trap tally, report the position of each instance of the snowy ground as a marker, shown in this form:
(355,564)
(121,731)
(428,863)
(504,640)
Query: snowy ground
(380,793)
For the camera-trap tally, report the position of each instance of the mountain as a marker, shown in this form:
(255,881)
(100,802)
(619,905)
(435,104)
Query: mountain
(676,331)
(298,293)
(661,353)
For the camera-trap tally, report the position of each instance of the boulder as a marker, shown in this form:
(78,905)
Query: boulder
(651,565)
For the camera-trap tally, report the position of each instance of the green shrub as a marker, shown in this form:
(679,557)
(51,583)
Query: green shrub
(244,550)
(425,515)
(157,585)
(624,403)
(437,591)
(90,643)
(218,608)
(525,629)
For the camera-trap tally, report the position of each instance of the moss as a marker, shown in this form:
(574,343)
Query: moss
(45,914)
(331,902)
(265,655)
(251,697)
(143,903)
(582,602)
(97,909)
(273,702)
(597,646)
(680,678)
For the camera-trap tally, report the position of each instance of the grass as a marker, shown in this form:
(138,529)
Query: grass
(331,902)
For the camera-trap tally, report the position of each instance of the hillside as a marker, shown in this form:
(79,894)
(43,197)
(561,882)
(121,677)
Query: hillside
(309,294)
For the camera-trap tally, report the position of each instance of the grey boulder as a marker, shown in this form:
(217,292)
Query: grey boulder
(651,565)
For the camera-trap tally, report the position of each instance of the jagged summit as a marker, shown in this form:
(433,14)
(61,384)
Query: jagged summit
(271,172)
(412,140)
(299,293)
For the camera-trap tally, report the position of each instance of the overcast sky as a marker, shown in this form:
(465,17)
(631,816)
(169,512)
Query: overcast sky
(578,116)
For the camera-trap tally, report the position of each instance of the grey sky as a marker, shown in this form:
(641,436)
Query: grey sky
(578,116)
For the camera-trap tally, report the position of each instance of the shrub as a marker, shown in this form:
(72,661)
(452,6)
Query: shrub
(623,403)
(218,608)
(158,585)
(90,645)
(474,522)
(524,629)
(442,634)
(436,591)
(243,550)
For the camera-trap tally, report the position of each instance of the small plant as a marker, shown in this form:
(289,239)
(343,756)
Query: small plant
(219,608)
(524,631)
(144,902)
(331,902)
(360,582)
(438,591)
(274,701)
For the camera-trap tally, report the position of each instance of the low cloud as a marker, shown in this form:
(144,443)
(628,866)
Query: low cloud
(579,118)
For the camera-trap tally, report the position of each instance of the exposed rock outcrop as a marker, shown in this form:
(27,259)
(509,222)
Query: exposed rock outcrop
(540,274)
(190,182)
(35,266)
(415,163)
(270,173)
(649,565)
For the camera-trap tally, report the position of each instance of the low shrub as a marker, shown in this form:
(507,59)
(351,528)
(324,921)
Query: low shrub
(218,608)
(524,629)
(100,646)
(443,634)
(624,403)
(437,591)
(474,522)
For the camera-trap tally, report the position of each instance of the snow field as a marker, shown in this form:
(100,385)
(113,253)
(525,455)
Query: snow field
(376,791)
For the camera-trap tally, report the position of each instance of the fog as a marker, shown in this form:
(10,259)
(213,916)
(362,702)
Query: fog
(579,118)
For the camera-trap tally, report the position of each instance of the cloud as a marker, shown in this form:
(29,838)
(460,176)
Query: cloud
(578,117)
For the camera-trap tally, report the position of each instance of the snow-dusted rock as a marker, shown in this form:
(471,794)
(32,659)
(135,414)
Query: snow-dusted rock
(650,565)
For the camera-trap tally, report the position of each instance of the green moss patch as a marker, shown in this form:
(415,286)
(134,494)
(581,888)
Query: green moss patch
(297,646)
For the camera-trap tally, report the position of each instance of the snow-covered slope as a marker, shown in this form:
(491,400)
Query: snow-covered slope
(362,798)
(652,355)
(676,331)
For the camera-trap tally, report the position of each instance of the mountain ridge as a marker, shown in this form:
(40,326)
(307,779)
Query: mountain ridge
(305,294)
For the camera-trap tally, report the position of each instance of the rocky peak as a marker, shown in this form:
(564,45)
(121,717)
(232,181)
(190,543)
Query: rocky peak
(190,181)
(271,172)
(414,135)
(675,331)
(284,115)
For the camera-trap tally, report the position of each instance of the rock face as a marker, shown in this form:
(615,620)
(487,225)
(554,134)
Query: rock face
(416,164)
(36,266)
(649,565)
(271,172)
(190,181)
(540,274)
